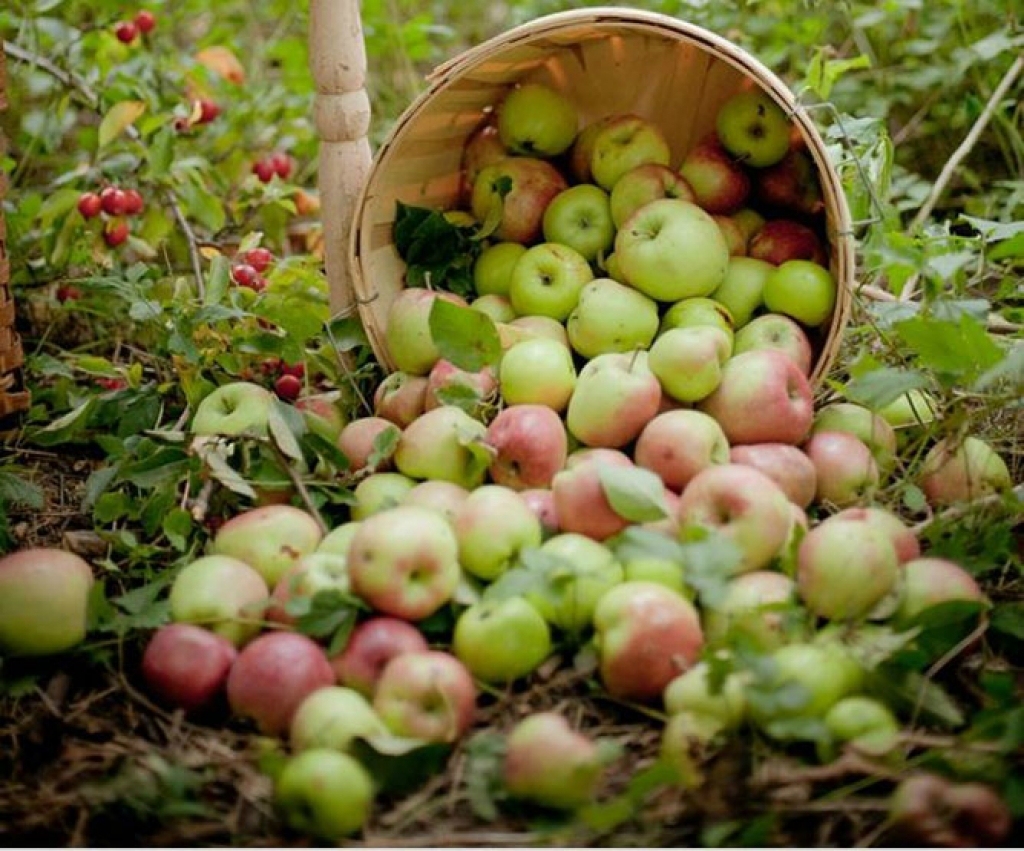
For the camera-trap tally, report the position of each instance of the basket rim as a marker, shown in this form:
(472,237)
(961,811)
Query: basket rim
(842,245)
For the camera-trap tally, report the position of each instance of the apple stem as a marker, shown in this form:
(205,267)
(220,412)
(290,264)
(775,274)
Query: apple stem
(636,354)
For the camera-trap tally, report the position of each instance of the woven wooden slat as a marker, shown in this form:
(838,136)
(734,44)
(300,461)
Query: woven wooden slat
(610,60)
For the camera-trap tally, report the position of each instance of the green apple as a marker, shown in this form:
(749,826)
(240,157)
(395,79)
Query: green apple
(616,395)
(613,269)
(698,311)
(644,184)
(540,326)
(753,604)
(379,492)
(625,142)
(492,270)
(611,317)
(223,594)
(443,497)
(753,128)
(866,723)
(269,539)
(691,691)
(960,470)
(407,329)
(671,249)
(498,307)
(239,408)
(581,218)
(547,280)
(801,289)
(915,407)
(688,361)
(862,423)
(537,121)
(664,571)
(44,601)
(537,372)
(324,793)
(333,717)
(493,525)
(741,290)
(445,444)
(775,331)
(501,640)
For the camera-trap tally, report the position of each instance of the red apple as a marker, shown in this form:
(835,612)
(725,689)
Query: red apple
(400,398)
(679,444)
(845,468)
(357,439)
(580,501)
(791,185)
(720,184)
(785,465)
(186,666)
(780,240)
(479,388)
(534,183)
(530,446)
(373,644)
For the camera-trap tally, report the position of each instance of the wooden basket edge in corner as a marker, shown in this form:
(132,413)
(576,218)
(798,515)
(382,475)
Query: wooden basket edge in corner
(841,244)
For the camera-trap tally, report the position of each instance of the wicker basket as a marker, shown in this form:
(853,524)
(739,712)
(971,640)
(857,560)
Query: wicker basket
(610,60)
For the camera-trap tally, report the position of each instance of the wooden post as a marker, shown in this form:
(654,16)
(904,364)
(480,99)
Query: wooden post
(337,57)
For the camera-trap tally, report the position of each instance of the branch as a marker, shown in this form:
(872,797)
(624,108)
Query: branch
(962,509)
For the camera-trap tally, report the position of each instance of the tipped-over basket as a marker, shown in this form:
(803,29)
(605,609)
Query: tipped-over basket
(609,61)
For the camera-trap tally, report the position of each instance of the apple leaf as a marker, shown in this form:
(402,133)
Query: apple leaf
(480,453)
(466,337)
(437,253)
(227,475)
(878,388)
(398,766)
(635,494)
(709,560)
(118,119)
(485,787)
(908,691)
(384,446)
(961,350)
(285,424)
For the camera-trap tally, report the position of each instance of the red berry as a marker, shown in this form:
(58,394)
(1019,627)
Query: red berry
(113,201)
(282,164)
(208,111)
(259,258)
(296,369)
(68,292)
(115,233)
(244,275)
(271,366)
(264,170)
(89,205)
(133,203)
(288,387)
(112,383)
(145,21)
(126,32)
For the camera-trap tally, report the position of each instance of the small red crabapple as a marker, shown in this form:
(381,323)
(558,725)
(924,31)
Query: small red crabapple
(145,21)
(89,205)
(208,111)
(126,31)
(264,170)
(112,200)
(259,258)
(133,203)
(282,164)
(288,387)
(115,233)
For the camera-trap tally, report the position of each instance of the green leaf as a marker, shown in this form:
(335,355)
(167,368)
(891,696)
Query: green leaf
(384,446)
(466,337)
(879,387)
(822,73)
(408,768)
(1008,619)
(227,475)
(961,348)
(286,425)
(437,253)
(15,490)
(177,525)
(329,610)
(218,281)
(635,494)
(118,119)
(905,690)
(161,152)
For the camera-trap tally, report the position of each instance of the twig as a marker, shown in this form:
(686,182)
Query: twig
(964,508)
(300,487)
(193,243)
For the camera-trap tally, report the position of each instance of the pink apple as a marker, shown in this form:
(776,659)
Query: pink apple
(357,439)
(846,470)
(323,415)
(646,635)
(679,444)
(644,184)
(763,398)
(928,582)
(720,184)
(530,446)
(780,240)
(775,331)
(785,465)
(475,389)
(962,470)
(902,536)
(534,183)
(428,696)
(443,497)
(863,423)
(400,398)
(581,504)
(185,666)
(587,454)
(741,504)
(370,647)
(616,395)
(482,148)
(273,675)
(542,503)
(734,236)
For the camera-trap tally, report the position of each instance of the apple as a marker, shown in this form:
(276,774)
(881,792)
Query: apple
(322,415)
(663,571)
(404,562)
(270,539)
(753,128)
(428,696)
(472,390)
(399,398)
(741,289)
(501,640)
(733,233)
(784,464)
(583,149)
(929,810)
(844,568)
(962,470)
(272,676)
(862,423)
(582,571)
(497,307)
(312,573)
(580,217)
(443,497)
(780,240)
(370,647)
(580,501)
(688,361)
(530,446)
(863,722)
(542,503)
(741,504)
(790,185)
(541,326)
(225,595)
(337,541)
(586,454)
(520,213)
(407,329)
(763,397)
(482,148)
(679,444)
(493,525)
(611,317)
(696,312)
(749,221)
(928,582)
(44,601)
(774,331)
(754,603)
(332,717)
(719,183)
(440,445)
(802,290)
(684,740)
(646,636)
(325,793)
(625,142)
(671,249)
(548,763)
(691,691)
(537,372)
(547,280)
(238,408)
(535,120)
(185,666)
(616,395)
(846,471)
(915,407)
(492,269)
(612,268)
(643,184)
(902,537)
(379,492)
(357,440)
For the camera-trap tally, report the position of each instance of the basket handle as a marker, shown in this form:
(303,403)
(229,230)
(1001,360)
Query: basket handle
(337,57)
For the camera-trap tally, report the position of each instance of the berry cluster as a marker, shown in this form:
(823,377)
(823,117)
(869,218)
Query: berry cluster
(204,111)
(278,163)
(289,376)
(142,24)
(115,203)
(249,267)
